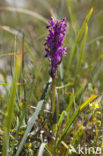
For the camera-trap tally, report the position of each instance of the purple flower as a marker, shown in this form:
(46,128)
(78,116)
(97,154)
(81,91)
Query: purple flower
(54,43)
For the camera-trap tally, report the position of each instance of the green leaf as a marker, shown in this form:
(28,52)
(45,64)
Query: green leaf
(76,138)
(82,47)
(30,125)
(77,112)
(67,127)
(33,118)
(63,114)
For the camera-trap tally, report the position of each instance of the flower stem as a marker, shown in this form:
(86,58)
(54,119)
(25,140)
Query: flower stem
(53,100)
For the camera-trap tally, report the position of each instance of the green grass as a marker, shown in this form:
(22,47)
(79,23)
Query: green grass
(11,104)
(26,126)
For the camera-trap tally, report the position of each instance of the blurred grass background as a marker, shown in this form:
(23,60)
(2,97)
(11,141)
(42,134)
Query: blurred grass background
(15,23)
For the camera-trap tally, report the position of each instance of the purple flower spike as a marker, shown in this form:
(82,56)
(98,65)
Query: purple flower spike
(54,43)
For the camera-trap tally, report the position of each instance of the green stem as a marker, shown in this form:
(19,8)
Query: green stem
(53,94)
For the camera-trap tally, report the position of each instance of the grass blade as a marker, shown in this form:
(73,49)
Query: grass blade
(79,37)
(76,139)
(33,118)
(67,127)
(20,36)
(63,114)
(27,12)
(69,122)
(88,101)
(41,149)
(73,17)
(72,98)
(30,125)
(94,40)
(11,106)
(47,148)
(82,48)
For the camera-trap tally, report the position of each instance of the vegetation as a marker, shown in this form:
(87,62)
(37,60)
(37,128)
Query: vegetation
(26,118)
